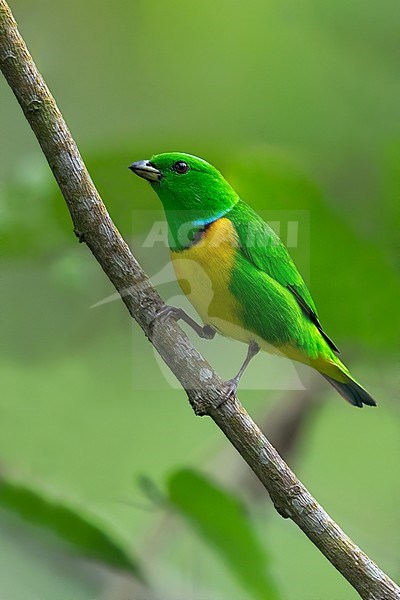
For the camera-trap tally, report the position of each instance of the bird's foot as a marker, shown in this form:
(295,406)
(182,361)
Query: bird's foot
(229,390)
(231,386)
(167,311)
(178,314)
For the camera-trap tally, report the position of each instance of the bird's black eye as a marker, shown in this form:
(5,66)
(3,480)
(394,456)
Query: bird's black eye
(180,167)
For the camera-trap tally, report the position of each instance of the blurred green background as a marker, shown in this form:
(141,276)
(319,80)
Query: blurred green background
(111,488)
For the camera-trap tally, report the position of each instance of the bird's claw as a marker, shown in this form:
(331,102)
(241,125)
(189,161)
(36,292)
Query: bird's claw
(229,391)
(165,312)
(206,332)
(230,387)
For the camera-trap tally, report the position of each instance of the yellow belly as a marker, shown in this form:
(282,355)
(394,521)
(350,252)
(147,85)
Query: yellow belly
(204,271)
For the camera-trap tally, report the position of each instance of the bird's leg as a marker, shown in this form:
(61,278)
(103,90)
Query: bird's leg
(178,314)
(232,384)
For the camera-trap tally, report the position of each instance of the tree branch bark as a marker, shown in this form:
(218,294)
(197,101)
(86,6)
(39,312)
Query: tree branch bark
(93,225)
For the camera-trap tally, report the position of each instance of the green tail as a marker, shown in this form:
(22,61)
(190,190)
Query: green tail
(352,392)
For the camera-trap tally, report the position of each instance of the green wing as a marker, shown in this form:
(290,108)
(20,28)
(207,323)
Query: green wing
(261,246)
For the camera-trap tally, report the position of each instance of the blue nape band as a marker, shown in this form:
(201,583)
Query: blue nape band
(207,221)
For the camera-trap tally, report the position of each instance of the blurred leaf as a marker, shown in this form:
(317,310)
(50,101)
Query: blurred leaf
(221,520)
(86,535)
(49,568)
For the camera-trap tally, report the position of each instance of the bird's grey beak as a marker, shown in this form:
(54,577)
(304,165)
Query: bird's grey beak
(145,169)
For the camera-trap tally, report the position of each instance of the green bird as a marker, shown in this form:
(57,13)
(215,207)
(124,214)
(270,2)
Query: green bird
(237,273)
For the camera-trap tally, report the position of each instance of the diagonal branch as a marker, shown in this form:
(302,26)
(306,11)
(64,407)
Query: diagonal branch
(93,225)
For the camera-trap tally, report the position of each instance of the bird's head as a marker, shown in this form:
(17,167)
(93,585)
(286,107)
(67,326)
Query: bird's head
(187,184)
